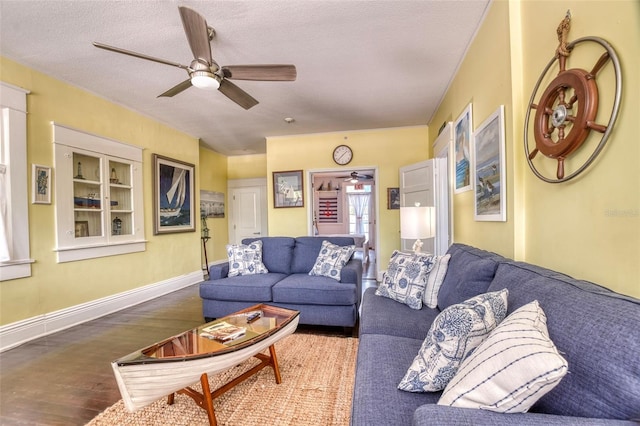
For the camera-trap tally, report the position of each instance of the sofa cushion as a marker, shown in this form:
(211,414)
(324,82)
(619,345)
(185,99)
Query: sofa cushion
(331,259)
(454,334)
(251,288)
(435,280)
(277,253)
(469,273)
(406,278)
(306,251)
(245,259)
(382,360)
(511,369)
(313,290)
(604,378)
(381,315)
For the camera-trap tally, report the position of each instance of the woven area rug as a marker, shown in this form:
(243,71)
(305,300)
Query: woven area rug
(317,384)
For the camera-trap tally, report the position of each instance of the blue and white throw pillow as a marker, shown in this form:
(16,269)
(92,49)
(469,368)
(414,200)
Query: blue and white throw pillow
(406,278)
(435,279)
(331,260)
(453,335)
(513,368)
(245,259)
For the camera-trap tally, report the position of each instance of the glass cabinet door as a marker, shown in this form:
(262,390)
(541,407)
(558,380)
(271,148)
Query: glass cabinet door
(121,202)
(87,195)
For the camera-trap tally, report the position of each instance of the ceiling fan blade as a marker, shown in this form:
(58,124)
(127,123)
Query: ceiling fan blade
(139,55)
(237,95)
(197,31)
(178,88)
(261,72)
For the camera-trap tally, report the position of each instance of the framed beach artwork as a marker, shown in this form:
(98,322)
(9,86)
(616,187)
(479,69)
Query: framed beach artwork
(211,204)
(288,189)
(462,133)
(173,196)
(40,184)
(393,198)
(489,169)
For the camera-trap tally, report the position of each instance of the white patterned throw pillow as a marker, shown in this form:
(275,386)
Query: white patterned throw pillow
(245,259)
(513,368)
(331,260)
(435,279)
(406,278)
(453,335)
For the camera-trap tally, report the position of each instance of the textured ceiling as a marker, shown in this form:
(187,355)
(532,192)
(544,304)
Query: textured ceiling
(361,64)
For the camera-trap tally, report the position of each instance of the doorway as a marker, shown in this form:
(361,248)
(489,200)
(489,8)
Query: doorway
(344,202)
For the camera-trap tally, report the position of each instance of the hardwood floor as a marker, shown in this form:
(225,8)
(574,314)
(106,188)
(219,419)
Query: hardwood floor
(66,378)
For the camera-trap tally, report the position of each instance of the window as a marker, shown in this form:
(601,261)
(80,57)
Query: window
(14,220)
(99,206)
(358,197)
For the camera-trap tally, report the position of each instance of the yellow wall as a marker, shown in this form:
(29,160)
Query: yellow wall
(213,177)
(54,286)
(386,149)
(589,227)
(247,166)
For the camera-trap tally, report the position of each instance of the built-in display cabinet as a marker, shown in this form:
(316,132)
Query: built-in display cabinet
(98,190)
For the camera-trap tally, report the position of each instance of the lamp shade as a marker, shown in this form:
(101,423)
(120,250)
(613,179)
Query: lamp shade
(417,222)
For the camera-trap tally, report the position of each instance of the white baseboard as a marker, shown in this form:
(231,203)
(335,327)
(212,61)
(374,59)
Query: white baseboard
(17,333)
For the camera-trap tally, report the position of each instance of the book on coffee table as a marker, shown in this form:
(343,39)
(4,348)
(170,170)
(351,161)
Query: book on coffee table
(223,331)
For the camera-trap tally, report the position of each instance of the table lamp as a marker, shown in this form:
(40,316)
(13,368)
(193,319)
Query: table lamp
(417,223)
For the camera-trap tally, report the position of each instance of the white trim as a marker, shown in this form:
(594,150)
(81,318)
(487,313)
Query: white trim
(17,333)
(13,102)
(72,254)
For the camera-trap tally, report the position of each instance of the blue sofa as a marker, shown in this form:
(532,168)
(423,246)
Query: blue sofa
(596,330)
(320,300)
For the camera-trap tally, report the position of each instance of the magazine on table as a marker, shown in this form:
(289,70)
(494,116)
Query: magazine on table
(223,331)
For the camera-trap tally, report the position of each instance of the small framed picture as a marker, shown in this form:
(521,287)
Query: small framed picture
(82,228)
(288,189)
(393,198)
(41,184)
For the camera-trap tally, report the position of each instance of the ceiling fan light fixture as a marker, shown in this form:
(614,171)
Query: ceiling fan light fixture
(204,80)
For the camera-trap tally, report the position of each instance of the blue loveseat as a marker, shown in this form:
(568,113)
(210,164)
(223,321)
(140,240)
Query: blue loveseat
(596,330)
(321,300)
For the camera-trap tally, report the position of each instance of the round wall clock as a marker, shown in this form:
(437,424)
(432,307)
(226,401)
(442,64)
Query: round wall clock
(342,155)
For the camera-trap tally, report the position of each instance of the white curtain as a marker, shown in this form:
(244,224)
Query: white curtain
(360,203)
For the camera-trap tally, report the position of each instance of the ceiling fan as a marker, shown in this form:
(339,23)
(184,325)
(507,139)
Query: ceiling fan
(204,72)
(355,177)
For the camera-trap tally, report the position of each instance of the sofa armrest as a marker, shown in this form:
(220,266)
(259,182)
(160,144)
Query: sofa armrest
(219,271)
(433,414)
(352,273)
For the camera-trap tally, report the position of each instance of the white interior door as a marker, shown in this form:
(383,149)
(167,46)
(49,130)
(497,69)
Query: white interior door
(417,186)
(247,213)
(443,190)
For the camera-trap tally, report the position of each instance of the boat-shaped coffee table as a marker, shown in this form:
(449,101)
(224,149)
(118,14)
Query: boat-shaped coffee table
(172,365)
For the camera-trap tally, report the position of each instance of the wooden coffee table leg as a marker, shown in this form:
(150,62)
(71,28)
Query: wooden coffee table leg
(207,402)
(274,364)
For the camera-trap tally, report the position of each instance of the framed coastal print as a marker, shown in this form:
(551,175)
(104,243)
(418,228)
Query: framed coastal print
(40,184)
(462,133)
(288,189)
(489,169)
(173,196)
(393,198)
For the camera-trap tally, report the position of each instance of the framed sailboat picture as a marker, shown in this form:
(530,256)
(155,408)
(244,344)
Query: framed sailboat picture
(173,196)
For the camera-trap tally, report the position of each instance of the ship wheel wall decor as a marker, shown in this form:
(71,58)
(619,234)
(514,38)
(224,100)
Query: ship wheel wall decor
(566,111)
